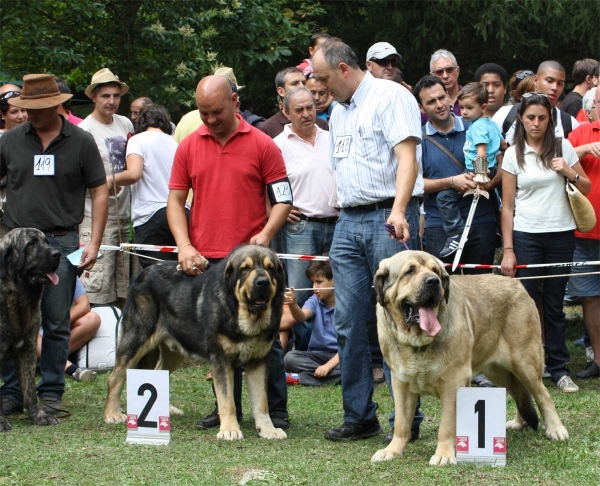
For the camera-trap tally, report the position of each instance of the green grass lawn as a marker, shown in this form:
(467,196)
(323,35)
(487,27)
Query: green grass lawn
(84,450)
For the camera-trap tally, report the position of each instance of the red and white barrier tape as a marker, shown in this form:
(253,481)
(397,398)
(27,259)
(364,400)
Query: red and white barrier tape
(290,256)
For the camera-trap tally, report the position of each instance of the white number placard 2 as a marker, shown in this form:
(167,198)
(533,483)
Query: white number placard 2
(481,425)
(43,165)
(341,148)
(148,420)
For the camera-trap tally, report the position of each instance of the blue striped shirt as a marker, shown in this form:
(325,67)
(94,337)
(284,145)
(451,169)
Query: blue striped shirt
(380,115)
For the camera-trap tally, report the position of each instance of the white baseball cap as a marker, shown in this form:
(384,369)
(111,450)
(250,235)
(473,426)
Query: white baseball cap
(381,50)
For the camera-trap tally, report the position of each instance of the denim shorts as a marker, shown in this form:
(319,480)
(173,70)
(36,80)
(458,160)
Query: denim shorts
(586,250)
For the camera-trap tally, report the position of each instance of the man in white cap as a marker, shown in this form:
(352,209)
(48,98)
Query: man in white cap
(383,60)
(107,281)
(50,197)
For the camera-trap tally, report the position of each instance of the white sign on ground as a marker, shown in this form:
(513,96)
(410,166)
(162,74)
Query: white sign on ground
(481,425)
(148,420)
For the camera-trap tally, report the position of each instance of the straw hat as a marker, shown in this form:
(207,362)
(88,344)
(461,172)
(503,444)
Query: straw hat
(102,77)
(39,91)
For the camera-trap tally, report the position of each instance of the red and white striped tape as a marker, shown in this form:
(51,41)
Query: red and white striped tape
(291,256)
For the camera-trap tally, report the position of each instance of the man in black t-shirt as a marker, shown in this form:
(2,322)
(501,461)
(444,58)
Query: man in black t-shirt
(49,163)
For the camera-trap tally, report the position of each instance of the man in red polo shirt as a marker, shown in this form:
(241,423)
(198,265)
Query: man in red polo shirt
(231,167)
(586,141)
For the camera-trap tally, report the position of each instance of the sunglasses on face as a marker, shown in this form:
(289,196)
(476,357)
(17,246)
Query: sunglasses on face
(384,62)
(447,70)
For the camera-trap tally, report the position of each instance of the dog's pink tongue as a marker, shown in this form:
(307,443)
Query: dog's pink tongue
(53,278)
(428,321)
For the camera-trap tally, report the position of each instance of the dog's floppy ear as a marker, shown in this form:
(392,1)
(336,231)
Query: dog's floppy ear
(380,280)
(445,280)
(229,280)
(280,275)
(4,263)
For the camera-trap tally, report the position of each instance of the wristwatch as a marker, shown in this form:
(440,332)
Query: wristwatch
(574,181)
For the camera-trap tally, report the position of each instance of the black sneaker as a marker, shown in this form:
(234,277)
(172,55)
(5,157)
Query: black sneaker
(414,435)
(352,431)
(211,421)
(10,407)
(592,370)
(450,246)
(280,422)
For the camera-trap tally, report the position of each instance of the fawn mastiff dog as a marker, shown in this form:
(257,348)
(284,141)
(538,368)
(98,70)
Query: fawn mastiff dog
(229,314)
(27,264)
(437,331)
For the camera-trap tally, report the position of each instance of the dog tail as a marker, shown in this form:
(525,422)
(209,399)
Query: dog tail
(524,403)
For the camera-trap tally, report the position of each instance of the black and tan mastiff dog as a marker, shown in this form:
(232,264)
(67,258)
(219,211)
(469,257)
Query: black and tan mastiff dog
(436,332)
(229,314)
(27,263)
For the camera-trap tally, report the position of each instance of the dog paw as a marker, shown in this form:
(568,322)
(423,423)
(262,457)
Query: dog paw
(45,419)
(4,425)
(235,434)
(115,418)
(558,433)
(271,433)
(384,455)
(175,411)
(439,460)
(516,425)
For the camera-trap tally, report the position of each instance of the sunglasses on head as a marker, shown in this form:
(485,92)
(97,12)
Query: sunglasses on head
(523,75)
(384,62)
(526,96)
(9,94)
(448,70)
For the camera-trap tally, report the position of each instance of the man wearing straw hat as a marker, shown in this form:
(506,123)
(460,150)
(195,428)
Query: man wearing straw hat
(107,281)
(49,164)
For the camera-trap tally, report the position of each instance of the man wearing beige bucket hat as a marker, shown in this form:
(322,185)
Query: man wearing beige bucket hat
(106,282)
(49,163)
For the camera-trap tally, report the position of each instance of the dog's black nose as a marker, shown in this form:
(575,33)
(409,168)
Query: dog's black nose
(261,281)
(432,281)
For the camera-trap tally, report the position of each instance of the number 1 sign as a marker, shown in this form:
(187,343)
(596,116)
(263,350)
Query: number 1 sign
(481,425)
(148,420)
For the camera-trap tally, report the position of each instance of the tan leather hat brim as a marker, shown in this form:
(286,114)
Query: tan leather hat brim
(39,103)
(90,88)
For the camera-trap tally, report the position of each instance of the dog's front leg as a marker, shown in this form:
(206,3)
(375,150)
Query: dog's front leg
(405,403)
(445,452)
(256,376)
(25,363)
(223,380)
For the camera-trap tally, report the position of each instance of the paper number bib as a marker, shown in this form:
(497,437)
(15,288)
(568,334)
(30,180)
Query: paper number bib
(342,146)
(43,165)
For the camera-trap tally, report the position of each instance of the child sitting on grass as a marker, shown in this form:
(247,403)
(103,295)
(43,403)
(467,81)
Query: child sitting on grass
(320,363)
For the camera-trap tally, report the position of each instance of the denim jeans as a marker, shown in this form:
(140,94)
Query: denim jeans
(447,202)
(360,242)
(56,324)
(304,238)
(531,248)
(480,247)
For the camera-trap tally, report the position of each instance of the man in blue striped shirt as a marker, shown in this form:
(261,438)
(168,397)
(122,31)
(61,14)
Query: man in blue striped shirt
(375,130)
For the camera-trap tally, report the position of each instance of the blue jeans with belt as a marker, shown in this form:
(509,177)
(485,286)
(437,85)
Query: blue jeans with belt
(304,238)
(556,247)
(56,324)
(360,242)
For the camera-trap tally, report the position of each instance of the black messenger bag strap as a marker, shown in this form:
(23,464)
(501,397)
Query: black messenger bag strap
(450,155)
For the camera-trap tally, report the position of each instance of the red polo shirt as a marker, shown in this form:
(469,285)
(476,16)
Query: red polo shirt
(582,135)
(229,183)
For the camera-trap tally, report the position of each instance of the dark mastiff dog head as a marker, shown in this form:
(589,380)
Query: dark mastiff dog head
(412,286)
(27,259)
(254,275)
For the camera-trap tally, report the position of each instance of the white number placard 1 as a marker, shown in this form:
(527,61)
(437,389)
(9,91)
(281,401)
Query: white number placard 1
(481,425)
(148,420)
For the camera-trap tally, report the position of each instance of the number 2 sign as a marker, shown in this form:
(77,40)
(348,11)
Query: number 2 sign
(481,425)
(148,420)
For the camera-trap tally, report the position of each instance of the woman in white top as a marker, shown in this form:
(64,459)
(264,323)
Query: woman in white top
(150,154)
(537,221)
